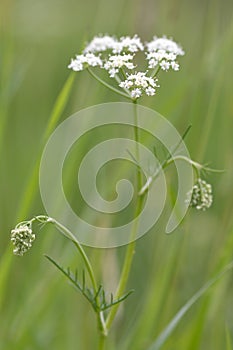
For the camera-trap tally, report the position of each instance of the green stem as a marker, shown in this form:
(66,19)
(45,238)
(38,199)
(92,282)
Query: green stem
(102,342)
(126,267)
(163,165)
(100,316)
(156,72)
(87,263)
(194,164)
(102,324)
(136,138)
(197,167)
(131,246)
(68,233)
(118,80)
(123,73)
(108,85)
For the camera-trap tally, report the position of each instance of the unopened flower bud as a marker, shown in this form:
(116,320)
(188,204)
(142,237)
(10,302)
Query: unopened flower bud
(200,196)
(22,238)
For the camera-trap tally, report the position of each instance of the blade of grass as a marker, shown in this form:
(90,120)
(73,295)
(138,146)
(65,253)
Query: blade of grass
(157,295)
(228,340)
(5,264)
(195,335)
(180,314)
(10,82)
(59,106)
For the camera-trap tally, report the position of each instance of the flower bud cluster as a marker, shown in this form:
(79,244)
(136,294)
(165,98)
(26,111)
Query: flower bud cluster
(22,238)
(201,196)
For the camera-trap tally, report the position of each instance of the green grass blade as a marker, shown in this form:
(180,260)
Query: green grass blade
(59,106)
(5,264)
(178,317)
(228,340)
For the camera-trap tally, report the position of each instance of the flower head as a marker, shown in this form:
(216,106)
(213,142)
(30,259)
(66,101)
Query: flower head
(163,52)
(100,44)
(106,42)
(83,61)
(115,62)
(166,45)
(22,238)
(117,55)
(200,196)
(138,83)
(128,44)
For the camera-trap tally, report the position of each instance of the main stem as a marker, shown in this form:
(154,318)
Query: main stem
(131,246)
(102,342)
(136,138)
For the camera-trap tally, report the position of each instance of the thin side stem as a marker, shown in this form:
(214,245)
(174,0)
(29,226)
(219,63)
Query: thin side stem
(108,85)
(156,72)
(123,73)
(194,164)
(118,80)
(67,232)
(163,165)
(87,263)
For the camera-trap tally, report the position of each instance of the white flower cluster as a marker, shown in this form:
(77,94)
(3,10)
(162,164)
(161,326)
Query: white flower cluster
(116,62)
(201,196)
(22,238)
(113,54)
(126,43)
(116,57)
(100,44)
(163,52)
(106,42)
(138,83)
(83,61)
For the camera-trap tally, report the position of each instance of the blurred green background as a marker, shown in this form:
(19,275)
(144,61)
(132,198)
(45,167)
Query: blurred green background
(37,309)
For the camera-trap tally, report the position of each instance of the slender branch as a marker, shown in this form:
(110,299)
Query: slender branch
(156,72)
(118,80)
(108,85)
(123,73)
(87,263)
(67,232)
(164,163)
(194,164)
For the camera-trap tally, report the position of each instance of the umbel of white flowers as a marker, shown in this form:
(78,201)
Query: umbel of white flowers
(117,57)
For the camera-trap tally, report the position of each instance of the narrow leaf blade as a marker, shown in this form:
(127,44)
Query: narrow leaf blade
(180,314)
